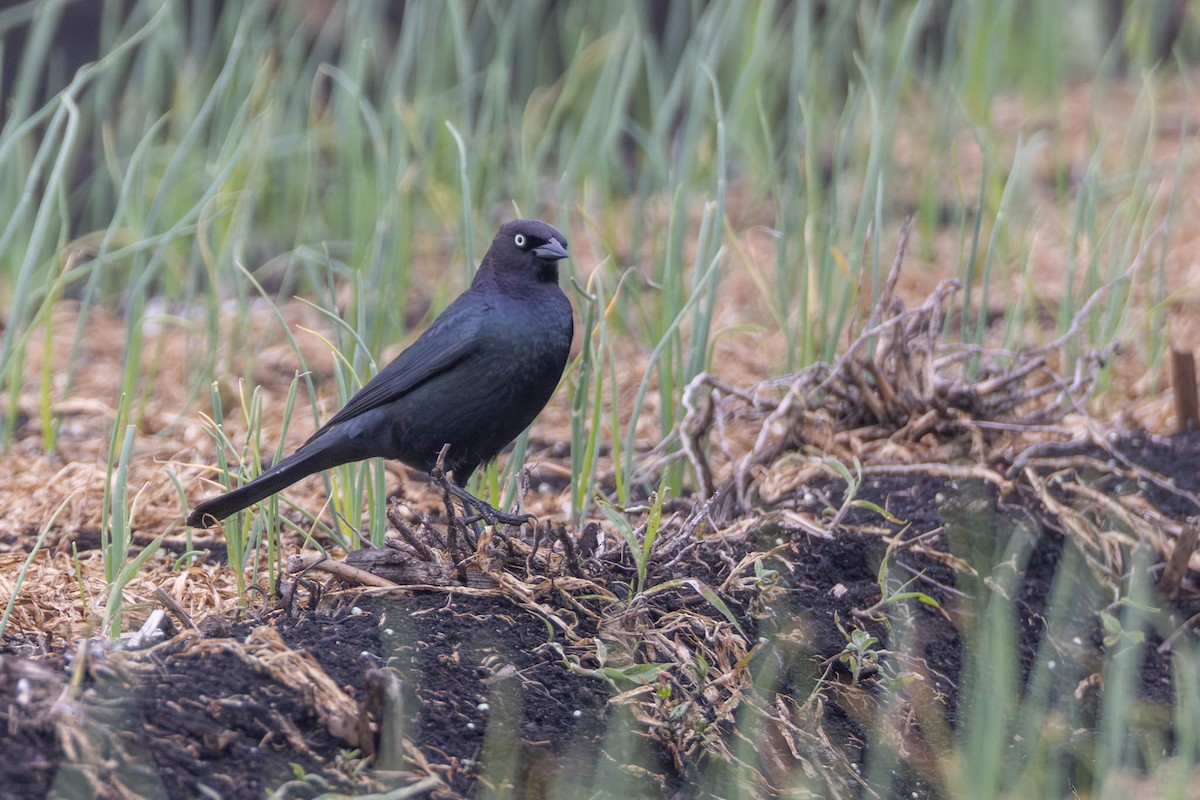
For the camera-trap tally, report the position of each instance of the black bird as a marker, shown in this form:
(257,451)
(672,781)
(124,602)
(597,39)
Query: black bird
(474,380)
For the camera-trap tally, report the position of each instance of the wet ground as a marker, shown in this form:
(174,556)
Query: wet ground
(463,691)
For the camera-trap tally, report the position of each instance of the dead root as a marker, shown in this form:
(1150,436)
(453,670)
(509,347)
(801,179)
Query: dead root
(905,398)
(899,385)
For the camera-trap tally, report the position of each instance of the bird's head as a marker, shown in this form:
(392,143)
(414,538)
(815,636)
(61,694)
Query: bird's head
(527,248)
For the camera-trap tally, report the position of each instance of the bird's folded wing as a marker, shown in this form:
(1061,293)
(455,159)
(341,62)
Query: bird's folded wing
(442,346)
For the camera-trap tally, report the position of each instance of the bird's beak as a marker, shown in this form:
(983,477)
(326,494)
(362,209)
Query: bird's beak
(551,250)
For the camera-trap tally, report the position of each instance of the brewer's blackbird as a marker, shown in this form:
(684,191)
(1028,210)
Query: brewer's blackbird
(474,380)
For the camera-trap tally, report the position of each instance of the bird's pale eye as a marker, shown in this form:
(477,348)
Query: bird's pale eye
(519,239)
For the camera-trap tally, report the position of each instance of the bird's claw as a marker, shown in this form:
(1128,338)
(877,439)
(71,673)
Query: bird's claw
(486,511)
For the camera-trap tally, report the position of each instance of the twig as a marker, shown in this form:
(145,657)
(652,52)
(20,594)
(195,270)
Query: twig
(1171,581)
(173,606)
(697,420)
(301,564)
(406,532)
(1085,310)
(568,550)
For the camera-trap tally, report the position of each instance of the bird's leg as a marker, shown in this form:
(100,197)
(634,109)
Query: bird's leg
(482,510)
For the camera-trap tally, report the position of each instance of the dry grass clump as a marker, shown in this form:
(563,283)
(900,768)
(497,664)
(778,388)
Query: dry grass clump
(905,398)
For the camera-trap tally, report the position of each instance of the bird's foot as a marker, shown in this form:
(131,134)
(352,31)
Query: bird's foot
(486,512)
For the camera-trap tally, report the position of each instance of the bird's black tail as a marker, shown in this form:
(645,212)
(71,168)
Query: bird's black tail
(302,463)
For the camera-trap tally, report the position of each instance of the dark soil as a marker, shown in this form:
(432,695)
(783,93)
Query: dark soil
(483,688)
